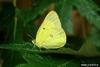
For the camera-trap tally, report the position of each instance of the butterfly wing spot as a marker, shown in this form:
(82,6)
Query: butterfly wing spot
(51,35)
(43,28)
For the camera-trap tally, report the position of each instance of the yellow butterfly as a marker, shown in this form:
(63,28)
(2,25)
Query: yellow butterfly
(50,34)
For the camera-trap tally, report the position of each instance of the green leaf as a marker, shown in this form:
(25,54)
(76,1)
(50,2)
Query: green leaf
(85,50)
(28,47)
(14,46)
(67,64)
(33,65)
(74,63)
(29,14)
(88,11)
(88,49)
(64,9)
(46,60)
(95,37)
(36,58)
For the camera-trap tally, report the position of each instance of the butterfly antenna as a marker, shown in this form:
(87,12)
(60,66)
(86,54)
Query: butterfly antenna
(33,41)
(29,36)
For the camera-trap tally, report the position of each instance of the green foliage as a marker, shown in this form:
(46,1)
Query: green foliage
(89,12)
(19,30)
(29,14)
(64,9)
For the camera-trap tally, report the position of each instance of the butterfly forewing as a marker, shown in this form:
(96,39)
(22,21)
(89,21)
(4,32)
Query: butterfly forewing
(50,34)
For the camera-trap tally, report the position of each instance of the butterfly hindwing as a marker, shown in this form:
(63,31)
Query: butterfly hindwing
(50,34)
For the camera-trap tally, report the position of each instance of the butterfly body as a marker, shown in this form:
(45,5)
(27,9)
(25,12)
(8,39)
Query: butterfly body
(50,34)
